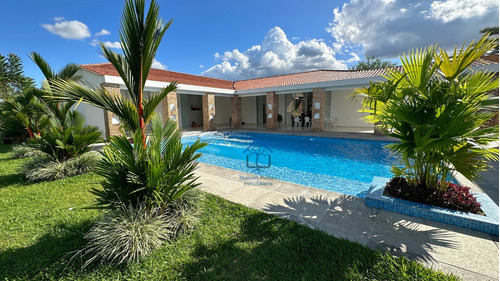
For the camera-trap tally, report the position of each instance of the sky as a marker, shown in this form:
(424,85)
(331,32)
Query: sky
(237,39)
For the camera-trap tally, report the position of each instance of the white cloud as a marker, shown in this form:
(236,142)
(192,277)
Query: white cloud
(202,66)
(450,10)
(276,55)
(354,58)
(158,65)
(103,32)
(68,29)
(386,29)
(109,44)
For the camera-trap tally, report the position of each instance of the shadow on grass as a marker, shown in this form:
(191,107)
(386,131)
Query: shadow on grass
(347,217)
(10,179)
(267,247)
(52,250)
(270,248)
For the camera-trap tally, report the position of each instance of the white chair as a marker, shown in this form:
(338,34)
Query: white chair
(307,121)
(329,122)
(296,122)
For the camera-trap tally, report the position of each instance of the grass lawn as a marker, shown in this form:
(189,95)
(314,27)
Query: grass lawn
(40,223)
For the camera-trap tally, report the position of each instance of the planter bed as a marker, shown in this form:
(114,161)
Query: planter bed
(487,223)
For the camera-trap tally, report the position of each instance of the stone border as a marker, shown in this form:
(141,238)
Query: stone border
(487,223)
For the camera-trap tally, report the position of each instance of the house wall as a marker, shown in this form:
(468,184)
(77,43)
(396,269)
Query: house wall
(93,116)
(222,110)
(346,110)
(249,110)
(281,107)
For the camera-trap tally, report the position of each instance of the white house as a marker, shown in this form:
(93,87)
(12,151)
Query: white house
(256,103)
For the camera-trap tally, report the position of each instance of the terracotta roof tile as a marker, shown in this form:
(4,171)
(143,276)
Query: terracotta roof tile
(306,78)
(164,76)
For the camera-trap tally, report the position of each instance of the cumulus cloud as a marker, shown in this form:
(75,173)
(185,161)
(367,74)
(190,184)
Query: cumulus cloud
(158,65)
(276,55)
(386,29)
(68,29)
(103,32)
(109,44)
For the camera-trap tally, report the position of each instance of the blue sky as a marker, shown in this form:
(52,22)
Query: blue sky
(245,39)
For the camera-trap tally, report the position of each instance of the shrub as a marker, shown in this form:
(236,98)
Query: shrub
(24,150)
(43,167)
(453,197)
(154,174)
(436,107)
(128,233)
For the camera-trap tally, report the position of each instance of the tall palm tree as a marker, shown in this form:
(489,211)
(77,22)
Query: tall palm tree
(140,36)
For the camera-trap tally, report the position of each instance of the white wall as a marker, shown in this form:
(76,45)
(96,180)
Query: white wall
(249,110)
(222,110)
(346,110)
(93,116)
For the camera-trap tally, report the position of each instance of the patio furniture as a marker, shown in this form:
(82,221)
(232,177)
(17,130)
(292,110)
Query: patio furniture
(329,122)
(307,121)
(296,122)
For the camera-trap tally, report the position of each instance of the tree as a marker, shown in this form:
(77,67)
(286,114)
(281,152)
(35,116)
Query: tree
(57,108)
(491,32)
(154,173)
(12,79)
(372,63)
(140,37)
(435,108)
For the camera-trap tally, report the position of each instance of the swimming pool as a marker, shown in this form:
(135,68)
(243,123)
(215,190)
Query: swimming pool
(346,166)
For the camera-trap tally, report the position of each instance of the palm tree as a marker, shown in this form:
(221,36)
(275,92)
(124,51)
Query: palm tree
(29,110)
(58,109)
(435,108)
(155,172)
(140,37)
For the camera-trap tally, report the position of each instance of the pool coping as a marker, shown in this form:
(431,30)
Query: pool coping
(489,223)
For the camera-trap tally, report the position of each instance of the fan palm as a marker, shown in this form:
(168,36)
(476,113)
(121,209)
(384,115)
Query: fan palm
(140,37)
(435,107)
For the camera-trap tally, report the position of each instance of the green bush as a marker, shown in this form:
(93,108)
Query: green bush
(126,235)
(24,150)
(43,167)
(437,107)
(154,174)
(129,233)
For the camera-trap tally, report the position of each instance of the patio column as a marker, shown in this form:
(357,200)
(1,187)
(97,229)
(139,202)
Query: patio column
(170,108)
(111,121)
(235,112)
(208,102)
(318,112)
(271,110)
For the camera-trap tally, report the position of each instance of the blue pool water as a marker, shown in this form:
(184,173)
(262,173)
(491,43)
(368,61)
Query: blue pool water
(346,166)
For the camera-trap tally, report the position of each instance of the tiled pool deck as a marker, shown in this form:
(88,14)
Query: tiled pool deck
(466,253)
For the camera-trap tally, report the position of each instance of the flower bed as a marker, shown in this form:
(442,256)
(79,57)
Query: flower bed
(487,223)
(454,197)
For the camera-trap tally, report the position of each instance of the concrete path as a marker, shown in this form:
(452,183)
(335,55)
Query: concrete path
(468,254)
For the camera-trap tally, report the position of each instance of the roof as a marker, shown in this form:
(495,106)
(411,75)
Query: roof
(316,76)
(485,60)
(164,76)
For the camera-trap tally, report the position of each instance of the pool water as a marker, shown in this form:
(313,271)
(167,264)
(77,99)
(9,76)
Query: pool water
(346,166)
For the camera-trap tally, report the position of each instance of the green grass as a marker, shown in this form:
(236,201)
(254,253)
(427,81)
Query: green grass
(41,223)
